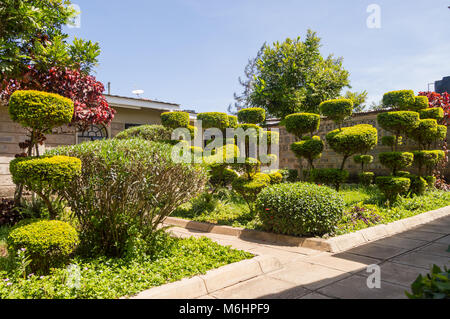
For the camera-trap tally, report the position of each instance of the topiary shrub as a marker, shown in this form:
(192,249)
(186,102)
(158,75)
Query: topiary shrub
(403,174)
(275,177)
(401,99)
(271,137)
(425,133)
(249,188)
(363,160)
(48,243)
(366,178)
(352,140)
(329,176)
(435,113)
(431,181)
(391,142)
(300,209)
(232,121)
(441,133)
(393,186)
(337,110)
(302,123)
(398,123)
(252,115)
(396,160)
(428,160)
(175,119)
(418,185)
(214,120)
(268,159)
(310,149)
(222,176)
(420,103)
(153,133)
(289,175)
(125,191)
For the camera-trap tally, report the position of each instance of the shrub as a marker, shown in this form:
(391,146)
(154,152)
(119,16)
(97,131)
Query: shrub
(420,102)
(214,120)
(275,177)
(268,159)
(232,121)
(390,141)
(352,140)
(289,175)
(366,178)
(403,174)
(363,160)
(418,185)
(329,176)
(441,133)
(153,133)
(272,137)
(247,165)
(302,123)
(396,160)
(425,133)
(401,99)
(337,110)
(125,190)
(398,122)
(47,242)
(435,285)
(249,188)
(40,111)
(393,186)
(175,119)
(252,115)
(431,181)
(300,209)
(428,160)
(310,149)
(222,176)
(436,113)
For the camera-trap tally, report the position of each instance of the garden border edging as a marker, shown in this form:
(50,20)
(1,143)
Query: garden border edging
(333,244)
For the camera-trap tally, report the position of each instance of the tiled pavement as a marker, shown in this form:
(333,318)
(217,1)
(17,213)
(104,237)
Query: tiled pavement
(312,274)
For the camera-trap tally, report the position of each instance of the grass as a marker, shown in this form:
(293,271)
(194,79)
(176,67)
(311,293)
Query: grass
(113,278)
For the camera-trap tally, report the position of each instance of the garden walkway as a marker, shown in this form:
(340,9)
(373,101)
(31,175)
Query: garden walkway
(307,273)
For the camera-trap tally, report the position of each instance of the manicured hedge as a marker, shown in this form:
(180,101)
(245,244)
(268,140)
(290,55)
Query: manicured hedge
(401,99)
(428,159)
(389,140)
(302,123)
(436,113)
(396,160)
(175,119)
(214,120)
(329,176)
(366,178)
(337,110)
(252,115)
(420,102)
(393,186)
(425,133)
(418,185)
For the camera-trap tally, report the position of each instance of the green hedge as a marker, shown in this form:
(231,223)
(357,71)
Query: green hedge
(40,110)
(214,120)
(366,178)
(396,160)
(302,123)
(300,209)
(337,110)
(252,115)
(175,119)
(232,121)
(436,113)
(329,176)
(401,99)
(393,186)
(153,133)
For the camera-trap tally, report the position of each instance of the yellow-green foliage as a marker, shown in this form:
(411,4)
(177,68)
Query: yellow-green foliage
(193,130)
(393,186)
(389,140)
(363,159)
(224,154)
(420,102)
(252,115)
(275,177)
(398,122)
(401,99)
(428,159)
(175,119)
(268,159)
(302,123)
(310,149)
(396,160)
(436,113)
(354,139)
(46,242)
(222,176)
(329,176)
(418,185)
(272,137)
(441,132)
(40,111)
(337,110)
(232,121)
(366,178)
(153,133)
(214,120)
(425,133)
(249,188)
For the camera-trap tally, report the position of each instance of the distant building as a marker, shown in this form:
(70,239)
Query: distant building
(442,85)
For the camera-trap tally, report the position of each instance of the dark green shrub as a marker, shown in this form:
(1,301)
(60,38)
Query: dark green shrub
(390,141)
(252,115)
(363,160)
(249,188)
(125,191)
(418,185)
(289,175)
(366,178)
(302,123)
(48,243)
(300,209)
(396,160)
(214,120)
(329,176)
(310,149)
(420,102)
(232,121)
(428,160)
(175,119)
(393,186)
(153,133)
(352,140)
(436,113)
(403,174)
(398,123)
(401,99)
(441,133)
(337,110)
(435,285)
(431,181)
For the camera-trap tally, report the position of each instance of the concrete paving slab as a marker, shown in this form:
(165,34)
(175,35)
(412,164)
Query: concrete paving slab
(283,256)
(344,262)
(420,259)
(420,235)
(377,251)
(397,273)
(315,295)
(444,240)
(436,249)
(399,242)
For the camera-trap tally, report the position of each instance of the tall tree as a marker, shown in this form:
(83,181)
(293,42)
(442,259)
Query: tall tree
(358,99)
(293,76)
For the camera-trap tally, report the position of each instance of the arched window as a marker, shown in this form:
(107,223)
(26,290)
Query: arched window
(92,133)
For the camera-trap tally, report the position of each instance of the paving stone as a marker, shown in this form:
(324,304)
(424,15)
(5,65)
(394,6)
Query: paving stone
(397,273)
(374,233)
(355,287)
(315,295)
(420,259)
(344,262)
(377,251)
(436,249)
(420,235)
(439,229)
(444,240)
(399,242)
(268,264)
(283,256)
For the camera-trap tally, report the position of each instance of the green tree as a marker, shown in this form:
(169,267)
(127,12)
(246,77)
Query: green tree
(358,99)
(293,76)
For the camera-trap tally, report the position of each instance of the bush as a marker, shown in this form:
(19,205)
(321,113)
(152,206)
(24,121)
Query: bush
(420,103)
(268,159)
(431,181)
(40,111)
(435,113)
(289,175)
(398,122)
(48,243)
(302,123)
(403,174)
(441,133)
(337,110)
(435,285)
(418,185)
(363,160)
(393,186)
(396,160)
(310,149)
(300,209)
(252,115)
(272,137)
(232,121)
(366,178)
(401,99)
(222,176)
(192,130)
(175,119)
(329,176)
(275,177)
(249,188)
(214,120)
(153,133)
(425,133)
(390,141)
(428,160)
(125,190)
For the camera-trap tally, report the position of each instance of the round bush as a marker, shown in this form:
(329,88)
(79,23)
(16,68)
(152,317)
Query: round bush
(221,176)
(214,120)
(428,159)
(337,110)
(420,102)
(302,123)
(425,133)
(153,133)
(366,178)
(393,186)
(354,139)
(398,122)
(418,185)
(329,176)
(363,159)
(300,209)
(401,99)
(310,149)
(41,111)
(275,177)
(175,119)
(232,121)
(436,113)
(396,160)
(47,242)
(252,115)
(249,188)
(389,140)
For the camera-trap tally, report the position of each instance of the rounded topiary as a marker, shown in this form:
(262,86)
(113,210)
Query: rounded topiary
(275,177)
(390,141)
(425,133)
(252,115)
(401,99)
(420,103)
(329,176)
(214,120)
(428,160)
(441,133)
(175,119)
(337,110)
(393,186)
(40,111)
(366,178)
(436,113)
(221,176)
(271,137)
(431,181)
(232,121)
(396,160)
(47,243)
(153,133)
(398,122)
(302,123)
(418,185)
(403,174)
(249,188)
(300,209)
(310,149)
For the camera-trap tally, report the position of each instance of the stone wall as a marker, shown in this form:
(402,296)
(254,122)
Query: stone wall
(331,159)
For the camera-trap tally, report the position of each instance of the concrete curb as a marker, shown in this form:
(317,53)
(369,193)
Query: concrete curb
(333,245)
(213,280)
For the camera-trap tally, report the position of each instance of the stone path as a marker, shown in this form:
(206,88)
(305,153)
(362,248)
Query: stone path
(312,274)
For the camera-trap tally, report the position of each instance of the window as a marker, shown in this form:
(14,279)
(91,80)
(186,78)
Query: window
(92,133)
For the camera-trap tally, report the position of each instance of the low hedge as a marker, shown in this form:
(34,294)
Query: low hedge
(175,119)
(252,115)
(152,133)
(300,209)
(393,186)
(329,176)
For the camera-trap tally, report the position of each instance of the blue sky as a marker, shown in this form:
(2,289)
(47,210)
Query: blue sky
(192,51)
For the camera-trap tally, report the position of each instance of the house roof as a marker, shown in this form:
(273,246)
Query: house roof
(139,103)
